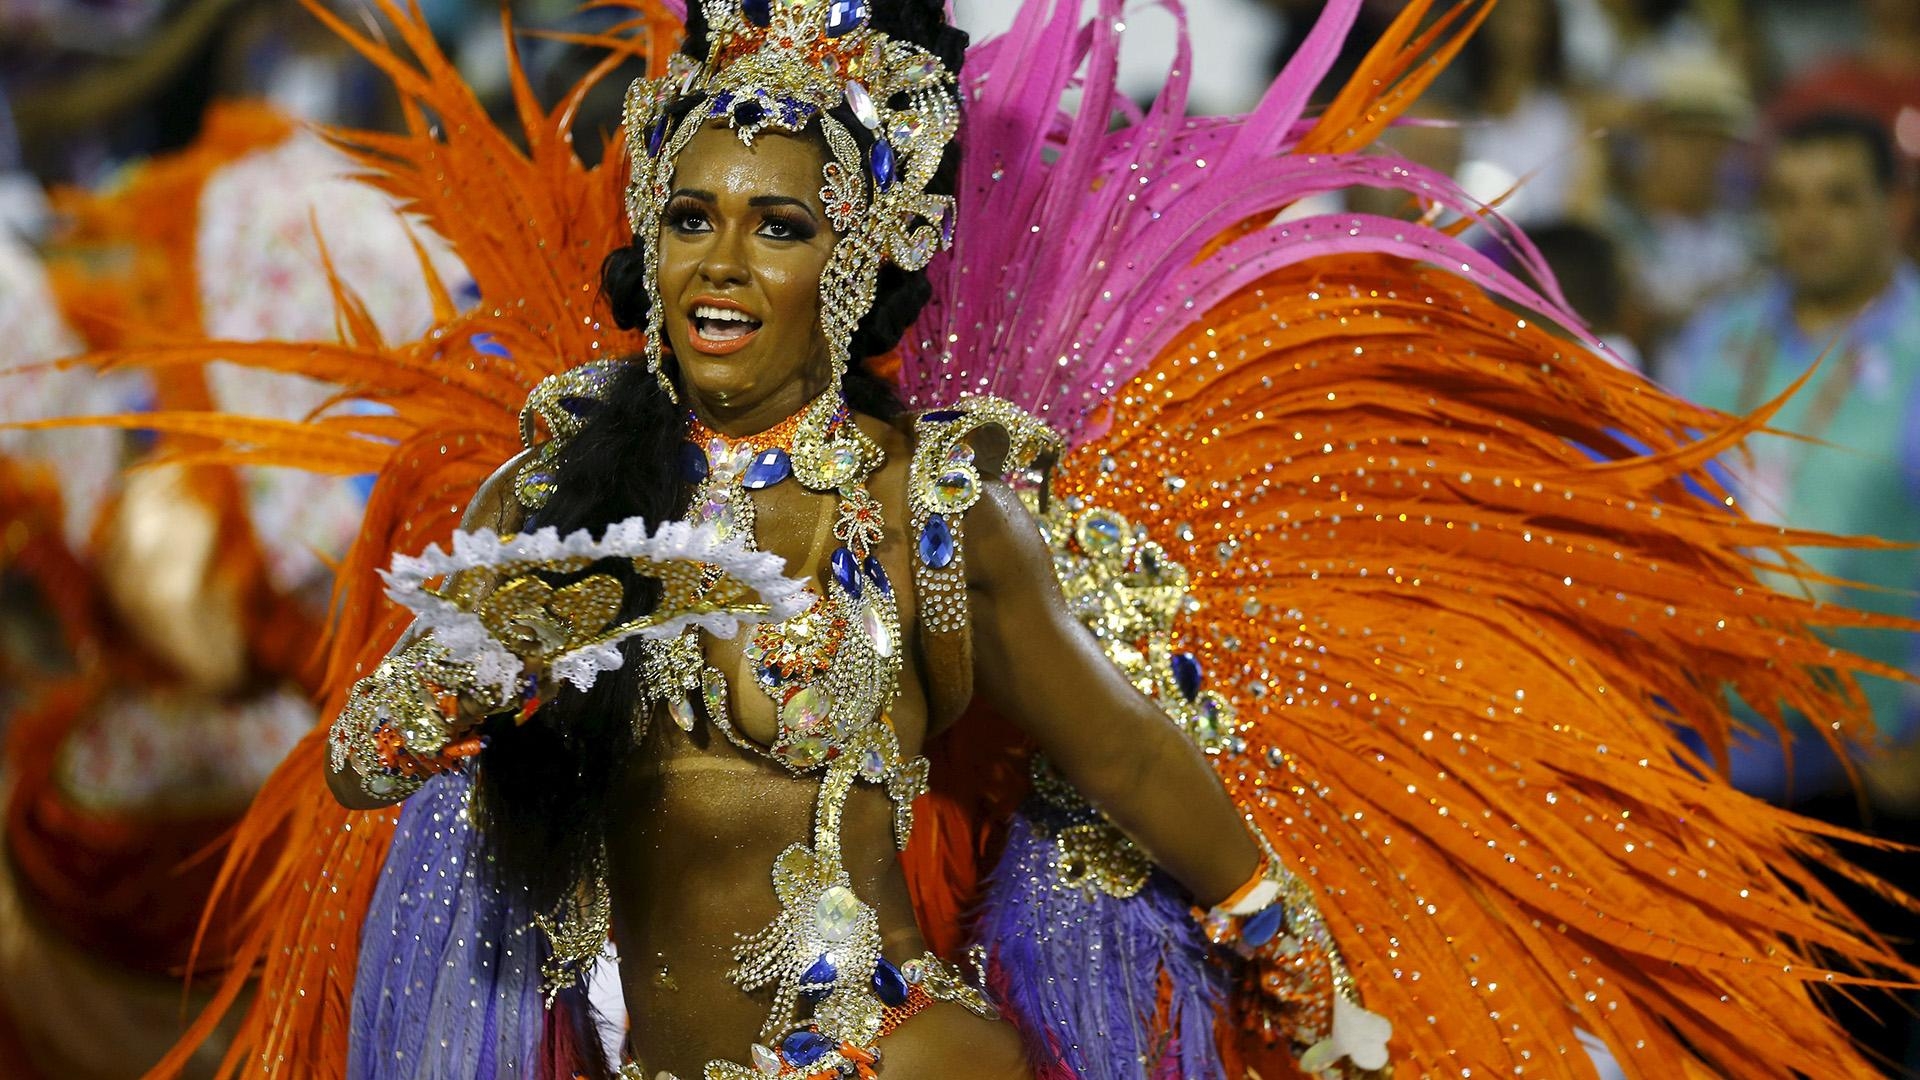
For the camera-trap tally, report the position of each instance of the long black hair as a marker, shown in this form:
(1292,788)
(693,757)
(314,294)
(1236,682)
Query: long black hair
(545,787)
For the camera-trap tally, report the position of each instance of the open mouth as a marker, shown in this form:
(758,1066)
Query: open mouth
(717,329)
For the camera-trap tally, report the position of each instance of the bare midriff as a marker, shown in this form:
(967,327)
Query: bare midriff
(691,867)
(703,820)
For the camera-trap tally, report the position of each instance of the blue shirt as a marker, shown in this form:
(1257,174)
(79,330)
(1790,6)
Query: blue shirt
(1862,476)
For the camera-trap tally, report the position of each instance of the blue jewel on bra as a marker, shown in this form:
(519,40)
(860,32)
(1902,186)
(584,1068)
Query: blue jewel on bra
(1261,926)
(758,12)
(936,542)
(878,575)
(802,1048)
(1186,675)
(693,463)
(767,469)
(846,571)
(888,984)
(941,416)
(818,980)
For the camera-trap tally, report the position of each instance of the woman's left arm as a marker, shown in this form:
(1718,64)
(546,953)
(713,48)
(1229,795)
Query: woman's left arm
(1047,674)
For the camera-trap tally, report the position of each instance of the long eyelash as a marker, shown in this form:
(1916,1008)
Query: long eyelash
(683,208)
(798,225)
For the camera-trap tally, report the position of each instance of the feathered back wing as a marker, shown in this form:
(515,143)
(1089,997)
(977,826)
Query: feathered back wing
(1474,596)
(530,223)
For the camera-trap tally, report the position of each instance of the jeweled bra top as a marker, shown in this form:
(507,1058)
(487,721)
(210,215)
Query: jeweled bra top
(833,672)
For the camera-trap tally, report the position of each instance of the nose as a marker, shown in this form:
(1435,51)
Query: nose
(724,260)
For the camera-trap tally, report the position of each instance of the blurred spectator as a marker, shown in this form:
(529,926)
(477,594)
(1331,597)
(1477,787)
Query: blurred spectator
(1522,127)
(1881,79)
(1841,294)
(1685,240)
(1647,37)
(1593,279)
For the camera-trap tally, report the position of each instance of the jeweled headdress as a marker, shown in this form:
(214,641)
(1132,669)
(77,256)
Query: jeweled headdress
(784,64)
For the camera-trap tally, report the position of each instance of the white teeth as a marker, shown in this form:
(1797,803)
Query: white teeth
(708,311)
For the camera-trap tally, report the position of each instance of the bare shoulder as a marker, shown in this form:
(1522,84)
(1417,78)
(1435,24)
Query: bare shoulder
(1010,550)
(893,437)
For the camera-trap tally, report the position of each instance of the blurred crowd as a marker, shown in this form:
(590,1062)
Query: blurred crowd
(1640,140)
(1724,190)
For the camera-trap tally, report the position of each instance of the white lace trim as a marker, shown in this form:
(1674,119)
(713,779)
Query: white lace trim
(464,637)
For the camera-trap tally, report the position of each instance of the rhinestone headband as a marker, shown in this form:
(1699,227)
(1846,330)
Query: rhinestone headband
(784,64)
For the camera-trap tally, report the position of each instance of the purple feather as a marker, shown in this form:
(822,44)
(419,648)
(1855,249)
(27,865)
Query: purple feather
(448,986)
(1081,971)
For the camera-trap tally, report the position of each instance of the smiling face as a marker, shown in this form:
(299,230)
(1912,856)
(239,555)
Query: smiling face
(742,245)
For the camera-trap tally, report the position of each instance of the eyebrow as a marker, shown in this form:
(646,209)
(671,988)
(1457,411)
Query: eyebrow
(757,201)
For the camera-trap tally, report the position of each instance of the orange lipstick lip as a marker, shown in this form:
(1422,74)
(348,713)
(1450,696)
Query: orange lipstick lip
(710,346)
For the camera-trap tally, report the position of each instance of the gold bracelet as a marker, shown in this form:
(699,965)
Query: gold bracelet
(397,728)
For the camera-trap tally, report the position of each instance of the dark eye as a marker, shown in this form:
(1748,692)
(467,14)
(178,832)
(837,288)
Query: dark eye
(779,227)
(687,219)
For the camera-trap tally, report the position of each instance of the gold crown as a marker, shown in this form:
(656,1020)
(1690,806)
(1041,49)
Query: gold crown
(785,64)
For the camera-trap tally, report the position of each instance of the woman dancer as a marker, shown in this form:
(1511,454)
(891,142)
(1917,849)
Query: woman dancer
(1429,586)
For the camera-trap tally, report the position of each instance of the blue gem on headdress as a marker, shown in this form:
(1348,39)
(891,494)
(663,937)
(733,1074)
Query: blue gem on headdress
(942,416)
(802,1048)
(766,470)
(936,542)
(758,12)
(888,984)
(878,575)
(1186,674)
(882,161)
(657,137)
(946,227)
(845,16)
(749,113)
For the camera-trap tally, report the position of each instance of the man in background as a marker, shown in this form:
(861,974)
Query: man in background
(1681,227)
(1841,294)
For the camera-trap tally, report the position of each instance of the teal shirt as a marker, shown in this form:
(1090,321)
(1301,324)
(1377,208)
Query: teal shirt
(1747,350)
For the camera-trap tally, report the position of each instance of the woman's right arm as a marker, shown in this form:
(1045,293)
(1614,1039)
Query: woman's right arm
(495,506)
